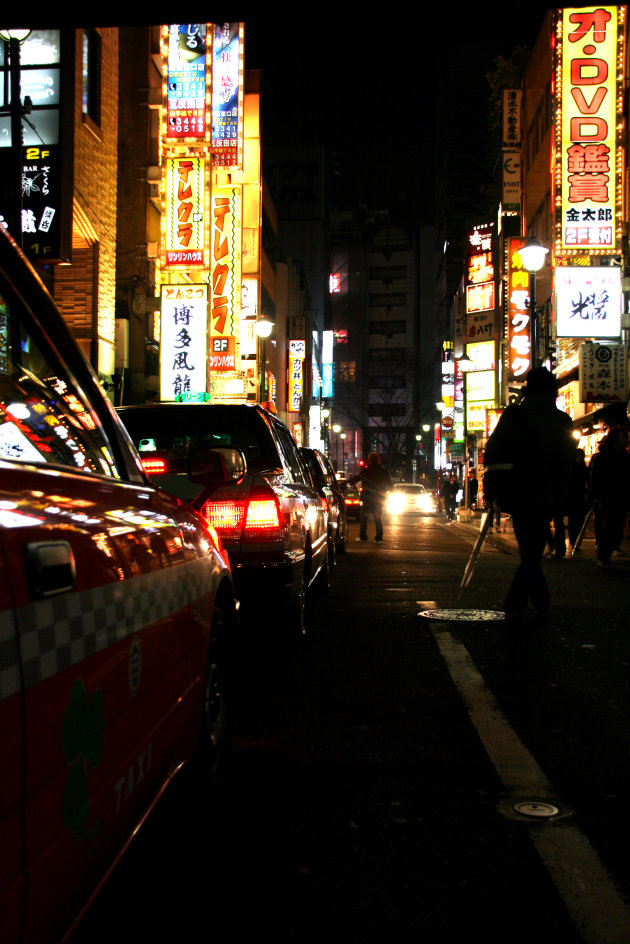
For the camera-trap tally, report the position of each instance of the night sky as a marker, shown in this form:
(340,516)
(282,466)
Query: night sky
(368,88)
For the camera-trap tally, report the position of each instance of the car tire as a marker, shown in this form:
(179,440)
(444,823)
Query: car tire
(215,732)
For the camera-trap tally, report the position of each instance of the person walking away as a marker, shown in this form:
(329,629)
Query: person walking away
(375,483)
(610,486)
(448,494)
(473,488)
(578,496)
(536,439)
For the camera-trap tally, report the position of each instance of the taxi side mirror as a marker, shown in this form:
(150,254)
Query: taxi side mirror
(215,467)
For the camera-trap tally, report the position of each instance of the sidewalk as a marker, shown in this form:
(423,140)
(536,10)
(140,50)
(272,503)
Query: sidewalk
(505,540)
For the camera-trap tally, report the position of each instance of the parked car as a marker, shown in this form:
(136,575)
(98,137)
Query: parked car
(407,497)
(118,611)
(271,520)
(323,477)
(351,492)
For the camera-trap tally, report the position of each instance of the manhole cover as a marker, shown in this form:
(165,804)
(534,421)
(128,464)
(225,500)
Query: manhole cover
(536,809)
(461,614)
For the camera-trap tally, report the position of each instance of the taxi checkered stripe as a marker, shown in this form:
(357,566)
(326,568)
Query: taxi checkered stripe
(60,631)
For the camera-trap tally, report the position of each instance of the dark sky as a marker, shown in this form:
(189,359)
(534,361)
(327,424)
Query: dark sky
(368,88)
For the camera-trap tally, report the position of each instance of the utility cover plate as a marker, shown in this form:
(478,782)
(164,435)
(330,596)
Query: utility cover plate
(462,615)
(536,809)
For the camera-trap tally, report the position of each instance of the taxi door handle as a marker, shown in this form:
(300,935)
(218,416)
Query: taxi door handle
(50,568)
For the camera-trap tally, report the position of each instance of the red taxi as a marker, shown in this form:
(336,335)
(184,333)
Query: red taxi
(117,612)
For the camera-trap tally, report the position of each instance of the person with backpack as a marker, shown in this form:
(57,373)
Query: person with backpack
(529,459)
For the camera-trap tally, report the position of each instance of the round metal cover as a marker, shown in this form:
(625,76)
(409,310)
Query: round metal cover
(462,615)
(536,809)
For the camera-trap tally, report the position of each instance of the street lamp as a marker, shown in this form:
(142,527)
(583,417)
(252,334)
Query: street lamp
(263,328)
(533,255)
(14,38)
(465,364)
(342,437)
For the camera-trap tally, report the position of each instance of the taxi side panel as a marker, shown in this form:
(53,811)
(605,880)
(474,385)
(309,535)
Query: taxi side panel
(113,678)
(11,781)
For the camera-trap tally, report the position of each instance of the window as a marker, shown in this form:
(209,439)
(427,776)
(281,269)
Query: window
(44,417)
(387,382)
(388,300)
(388,409)
(347,371)
(92,75)
(388,327)
(387,354)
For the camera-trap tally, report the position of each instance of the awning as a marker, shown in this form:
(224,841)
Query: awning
(607,416)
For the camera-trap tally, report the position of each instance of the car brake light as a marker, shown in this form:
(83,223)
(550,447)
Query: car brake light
(153,466)
(254,519)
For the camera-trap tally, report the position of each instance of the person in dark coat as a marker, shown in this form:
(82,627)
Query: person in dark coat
(578,496)
(610,488)
(448,494)
(375,483)
(536,438)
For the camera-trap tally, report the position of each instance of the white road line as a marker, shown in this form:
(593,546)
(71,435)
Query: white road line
(598,909)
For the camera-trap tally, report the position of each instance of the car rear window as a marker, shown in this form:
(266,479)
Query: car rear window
(177,431)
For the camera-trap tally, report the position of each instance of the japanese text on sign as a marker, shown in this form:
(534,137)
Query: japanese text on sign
(183,345)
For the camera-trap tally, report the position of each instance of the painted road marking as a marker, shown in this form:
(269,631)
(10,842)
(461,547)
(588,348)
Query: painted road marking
(598,909)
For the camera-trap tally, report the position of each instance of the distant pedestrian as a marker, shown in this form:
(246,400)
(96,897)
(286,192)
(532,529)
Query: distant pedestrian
(473,488)
(578,496)
(610,491)
(375,483)
(533,446)
(448,494)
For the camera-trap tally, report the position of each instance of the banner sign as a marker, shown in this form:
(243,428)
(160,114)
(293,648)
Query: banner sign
(480,273)
(297,354)
(519,351)
(183,342)
(603,373)
(589,115)
(588,301)
(227,95)
(225,276)
(185,218)
(188,74)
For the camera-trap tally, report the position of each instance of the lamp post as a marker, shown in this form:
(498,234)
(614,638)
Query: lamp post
(14,38)
(336,430)
(533,255)
(342,437)
(263,329)
(465,364)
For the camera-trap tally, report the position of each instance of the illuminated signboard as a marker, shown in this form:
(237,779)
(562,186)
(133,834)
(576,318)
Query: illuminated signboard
(185,217)
(519,350)
(481,353)
(225,276)
(588,301)
(327,363)
(249,314)
(588,153)
(184,341)
(227,95)
(480,292)
(603,373)
(480,297)
(297,355)
(187,76)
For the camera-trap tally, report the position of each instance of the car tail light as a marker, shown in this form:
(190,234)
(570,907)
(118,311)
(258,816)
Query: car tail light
(153,466)
(258,518)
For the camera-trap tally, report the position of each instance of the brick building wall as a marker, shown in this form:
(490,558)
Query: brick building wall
(85,290)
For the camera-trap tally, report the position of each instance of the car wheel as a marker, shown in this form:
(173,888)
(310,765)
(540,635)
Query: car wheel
(215,730)
(342,543)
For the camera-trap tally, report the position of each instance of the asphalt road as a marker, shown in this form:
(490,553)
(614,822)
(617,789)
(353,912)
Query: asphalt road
(378,772)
